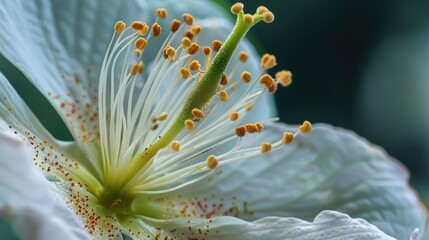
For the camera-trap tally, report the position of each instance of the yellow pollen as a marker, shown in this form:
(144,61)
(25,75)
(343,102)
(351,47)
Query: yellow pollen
(234,116)
(268,61)
(197,113)
(207,51)
(223,95)
(188,18)
(265,147)
(140,43)
(162,116)
(174,26)
(243,56)
(248,18)
(196,30)
(305,127)
(194,65)
(284,78)
(240,131)
(161,12)
(287,138)
(248,106)
(212,162)
(224,79)
(237,7)
(119,26)
(185,72)
(260,126)
(189,124)
(156,29)
(186,42)
(261,9)
(246,76)
(251,128)
(175,146)
(216,44)
(193,48)
(138,26)
(268,16)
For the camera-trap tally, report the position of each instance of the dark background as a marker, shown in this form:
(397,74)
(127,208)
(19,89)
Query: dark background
(329,45)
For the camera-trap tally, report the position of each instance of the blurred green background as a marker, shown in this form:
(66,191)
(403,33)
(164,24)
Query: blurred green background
(334,49)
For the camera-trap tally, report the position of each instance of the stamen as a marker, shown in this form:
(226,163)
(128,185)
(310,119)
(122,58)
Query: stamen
(287,138)
(268,61)
(140,27)
(175,146)
(188,34)
(248,18)
(185,72)
(268,17)
(246,76)
(161,12)
(216,44)
(163,116)
(305,127)
(120,26)
(240,131)
(197,113)
(188,18)
(194,65)
(251,128)
(193,48)
(196,30)
(237,7)
(186,42)
(261,9)
(224,79)
(260,126)
(234,116)
(223,95)
(140,43)
(189,124)
(266,147)
(248,106)
(156,29)
(174,26)
(284,78)
(243,56)
(212,162)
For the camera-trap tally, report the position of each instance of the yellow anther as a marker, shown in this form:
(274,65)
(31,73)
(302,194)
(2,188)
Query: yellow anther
(223,95)
(185,72)
(175,146)
(212,162)
(246,76)
(137,52)
(287,138)
(260,126)
(194,65)
(134,69)
(189,124)
(170,53)
(154,126)
(162,116)
(251,128)
(197,113)
(138,26)
(272,88)
(120,26)
(207,51)
(161,12)
(267,80)
(188,18)
(186,42)
(248,18)
(156,30)
(268,16)
(224,79)
(284,78)
(261,9)
(234,116)
(167,51)
(216,44)
(305,127)
(140,66)
(243,56)
(140,43)
(174,26)
(193,48)
(196,29)
(188,34)
(248,106)
(237,7)
(240,131)
(268,61)
(266,147)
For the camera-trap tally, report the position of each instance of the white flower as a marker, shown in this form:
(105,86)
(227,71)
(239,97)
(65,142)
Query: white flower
(160,154)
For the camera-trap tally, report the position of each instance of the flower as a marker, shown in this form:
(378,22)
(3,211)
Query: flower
(161,150)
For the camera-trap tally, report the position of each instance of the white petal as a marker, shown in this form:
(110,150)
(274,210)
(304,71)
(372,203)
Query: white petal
(26,199)
(326,225)
(326,169)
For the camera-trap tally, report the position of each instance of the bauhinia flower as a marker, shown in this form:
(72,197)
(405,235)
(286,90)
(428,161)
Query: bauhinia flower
(169,141)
